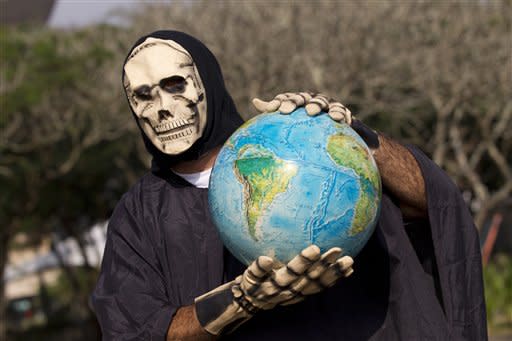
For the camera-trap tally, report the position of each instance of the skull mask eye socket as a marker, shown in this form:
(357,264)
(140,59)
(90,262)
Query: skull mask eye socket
(173,84)
(143,93)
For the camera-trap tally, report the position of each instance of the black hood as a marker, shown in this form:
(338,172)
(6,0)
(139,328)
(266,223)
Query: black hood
(222,117)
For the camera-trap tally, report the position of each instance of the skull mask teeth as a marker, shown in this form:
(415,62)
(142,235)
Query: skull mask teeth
(166,94)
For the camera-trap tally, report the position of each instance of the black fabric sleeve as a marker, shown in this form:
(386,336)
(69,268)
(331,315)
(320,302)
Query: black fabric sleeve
(457,252)
(131,300)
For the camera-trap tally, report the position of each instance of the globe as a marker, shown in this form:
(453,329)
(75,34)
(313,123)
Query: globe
(283,182)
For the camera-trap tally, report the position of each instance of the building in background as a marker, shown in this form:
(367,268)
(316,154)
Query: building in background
(25,11)
(30,270)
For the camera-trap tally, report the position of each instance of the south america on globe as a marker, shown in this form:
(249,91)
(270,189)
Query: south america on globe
(283,182)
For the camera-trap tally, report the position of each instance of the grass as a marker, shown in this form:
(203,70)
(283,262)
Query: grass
(498,294)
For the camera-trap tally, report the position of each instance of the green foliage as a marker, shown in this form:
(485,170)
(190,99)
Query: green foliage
(65,131)
(44,67)
(62,293)
(498,292)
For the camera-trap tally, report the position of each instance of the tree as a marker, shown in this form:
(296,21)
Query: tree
(66,151)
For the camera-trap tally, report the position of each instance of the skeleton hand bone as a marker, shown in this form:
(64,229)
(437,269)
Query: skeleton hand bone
(314,104)
(264,286)
(308,273)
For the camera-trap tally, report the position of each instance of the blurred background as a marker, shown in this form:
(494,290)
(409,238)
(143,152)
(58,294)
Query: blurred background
(436,74)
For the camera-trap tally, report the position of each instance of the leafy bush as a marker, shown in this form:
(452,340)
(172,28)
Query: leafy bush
(498,292)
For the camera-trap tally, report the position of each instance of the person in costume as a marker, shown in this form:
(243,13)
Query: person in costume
(166,275)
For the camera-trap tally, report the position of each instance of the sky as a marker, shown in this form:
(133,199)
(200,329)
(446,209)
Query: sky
(78,13)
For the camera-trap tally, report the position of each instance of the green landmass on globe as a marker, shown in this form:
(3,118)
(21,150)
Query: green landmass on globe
(263,176)
(346,152)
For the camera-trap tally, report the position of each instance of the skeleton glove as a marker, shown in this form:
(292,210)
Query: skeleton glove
(263,286)
(314,104)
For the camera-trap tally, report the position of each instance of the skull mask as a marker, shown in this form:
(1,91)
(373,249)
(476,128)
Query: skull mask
(166,93)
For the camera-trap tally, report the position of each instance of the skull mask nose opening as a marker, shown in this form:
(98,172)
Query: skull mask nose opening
(163,114)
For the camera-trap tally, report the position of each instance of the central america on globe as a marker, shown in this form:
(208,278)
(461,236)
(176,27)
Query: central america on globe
(283,182)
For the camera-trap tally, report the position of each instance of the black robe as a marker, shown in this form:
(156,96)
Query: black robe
(414,280)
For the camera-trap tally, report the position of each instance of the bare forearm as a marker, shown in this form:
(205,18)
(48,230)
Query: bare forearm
(402,176)
(185,326)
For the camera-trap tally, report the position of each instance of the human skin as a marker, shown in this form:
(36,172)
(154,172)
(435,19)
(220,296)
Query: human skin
(402,177)
(185,326)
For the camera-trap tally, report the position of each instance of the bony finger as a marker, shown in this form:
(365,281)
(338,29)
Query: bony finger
(316,270)
(330,278)
(305,258)
(307,96)
(287,107)
(331,255)
(327,280)
(292,102)
(301,283)
(345,262)
(321,107)
(266,290)
(283,97)
(287,295)
(247,303)
(286,275)
(337,105)
(273,105)
(237,292)
(339,112)
(342,268)
(255,274)
(313,287)
(336,115)
(259,104)
(339,269)
(327,258)
(259,269)
(348,272)
(348,116)
(298,99)
(345,116)
(263,106)
(322,101)
(297,266)
(313,109)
